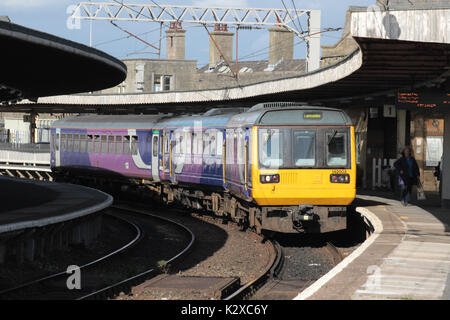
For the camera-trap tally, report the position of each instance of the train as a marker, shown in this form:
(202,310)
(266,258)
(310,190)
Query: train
(276,167)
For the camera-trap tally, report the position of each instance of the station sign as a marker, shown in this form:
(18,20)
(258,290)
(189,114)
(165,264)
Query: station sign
(423,99)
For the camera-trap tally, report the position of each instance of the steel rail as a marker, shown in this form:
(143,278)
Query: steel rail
(151,270)
(138,236)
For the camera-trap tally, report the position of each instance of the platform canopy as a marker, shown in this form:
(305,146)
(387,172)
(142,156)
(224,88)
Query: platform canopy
(35,64)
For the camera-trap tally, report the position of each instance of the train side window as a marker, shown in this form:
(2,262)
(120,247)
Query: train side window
(104,145)
(63,142)
(110,144)
(126,145)
(83,143)
(188,140)
(155,146)
(240,147)
(219,143)
(206,150)
(212,144)
(97,143)
(194,143)
(57,142)
(118,144)
(90,143)
(76,143)
(134,145)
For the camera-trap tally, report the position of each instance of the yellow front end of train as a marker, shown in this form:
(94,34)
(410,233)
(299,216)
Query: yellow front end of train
(307,185)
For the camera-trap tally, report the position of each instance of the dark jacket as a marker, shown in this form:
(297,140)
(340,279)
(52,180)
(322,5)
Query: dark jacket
(402,165)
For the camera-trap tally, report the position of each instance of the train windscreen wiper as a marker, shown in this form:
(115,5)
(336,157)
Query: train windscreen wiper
(332,137)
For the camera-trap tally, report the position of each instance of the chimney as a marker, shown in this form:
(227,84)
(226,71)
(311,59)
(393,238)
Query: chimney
(175,42)
(224,40)
(281,42)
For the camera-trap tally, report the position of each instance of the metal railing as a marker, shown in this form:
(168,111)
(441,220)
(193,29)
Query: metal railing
(25,154)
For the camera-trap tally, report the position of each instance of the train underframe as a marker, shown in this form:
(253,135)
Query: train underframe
(304,218)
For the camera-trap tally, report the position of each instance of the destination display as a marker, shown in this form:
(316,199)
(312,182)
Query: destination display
(431,99)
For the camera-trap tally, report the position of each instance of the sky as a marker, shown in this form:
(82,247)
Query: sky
(51,16)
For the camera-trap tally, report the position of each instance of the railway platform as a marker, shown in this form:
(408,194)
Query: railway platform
(406,257)
(37,217)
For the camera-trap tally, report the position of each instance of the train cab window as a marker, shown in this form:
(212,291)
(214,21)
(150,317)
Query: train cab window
(271,148)
(90,143)
(110,144)
(134,145)
(155,146)
(126,145)
(63,142)
(118,145)
(83,143)
(104,146)
(76,143)
(304,148)
(336,149)
(57,142)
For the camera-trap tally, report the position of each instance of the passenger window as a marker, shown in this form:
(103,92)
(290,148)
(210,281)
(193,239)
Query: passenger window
(104,146)
(126,145)
(240,147)
(83,143)
(134,145)
(219,143)
(304,148)
(194,143)
(63,142)
(118,145)
(271,148)
(76,143)
(336,149)
(206,150)
(110,144)
(57,142)
(213,144)
(90,143)
(155,146)
(187,137)
(97,142)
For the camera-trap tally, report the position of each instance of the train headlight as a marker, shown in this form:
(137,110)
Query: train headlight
(269,178)
(340,178)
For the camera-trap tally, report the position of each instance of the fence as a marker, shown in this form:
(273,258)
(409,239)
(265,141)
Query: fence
(25,154)
(382,173)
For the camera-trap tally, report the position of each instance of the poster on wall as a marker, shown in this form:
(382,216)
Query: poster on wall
(434,150)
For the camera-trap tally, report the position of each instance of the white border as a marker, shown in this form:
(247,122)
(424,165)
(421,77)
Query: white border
(378,229)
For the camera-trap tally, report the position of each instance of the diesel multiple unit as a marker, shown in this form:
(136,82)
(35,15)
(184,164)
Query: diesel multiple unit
(276,166)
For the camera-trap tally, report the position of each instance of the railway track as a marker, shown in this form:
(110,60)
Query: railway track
(97,277)
(301,263)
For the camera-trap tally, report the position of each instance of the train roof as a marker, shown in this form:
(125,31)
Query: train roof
(279,113)
(109,121)
(276,113)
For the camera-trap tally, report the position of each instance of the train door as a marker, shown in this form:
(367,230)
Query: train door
(57,147)
(155,155)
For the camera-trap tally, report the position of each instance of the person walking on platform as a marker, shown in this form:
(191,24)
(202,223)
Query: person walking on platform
(409,174)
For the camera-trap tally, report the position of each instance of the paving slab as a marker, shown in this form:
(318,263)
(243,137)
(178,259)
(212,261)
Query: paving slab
(408,257)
